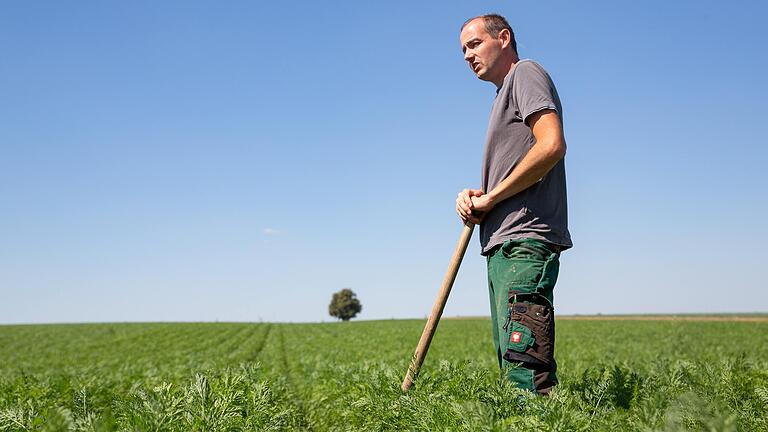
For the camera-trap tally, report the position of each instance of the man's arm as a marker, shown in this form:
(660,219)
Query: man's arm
(545,153)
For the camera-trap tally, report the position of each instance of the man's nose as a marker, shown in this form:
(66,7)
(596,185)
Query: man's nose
(468,55)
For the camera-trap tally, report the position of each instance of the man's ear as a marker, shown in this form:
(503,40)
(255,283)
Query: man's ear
(505,37)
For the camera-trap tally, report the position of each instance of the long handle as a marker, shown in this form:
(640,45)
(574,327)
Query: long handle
(437,309)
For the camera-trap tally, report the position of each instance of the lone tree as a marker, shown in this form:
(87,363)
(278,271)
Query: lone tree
(344,305)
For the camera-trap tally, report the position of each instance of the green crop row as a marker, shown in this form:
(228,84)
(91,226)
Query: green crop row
(634,375)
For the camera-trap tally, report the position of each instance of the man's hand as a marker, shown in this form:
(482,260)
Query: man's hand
(465,206)
(482,204)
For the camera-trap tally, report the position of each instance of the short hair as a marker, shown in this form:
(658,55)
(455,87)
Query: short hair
(494,24)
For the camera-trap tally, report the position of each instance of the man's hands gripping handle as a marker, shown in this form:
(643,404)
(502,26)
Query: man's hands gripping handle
(472,205)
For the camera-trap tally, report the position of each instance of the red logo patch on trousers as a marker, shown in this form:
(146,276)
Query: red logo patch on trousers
(516,336)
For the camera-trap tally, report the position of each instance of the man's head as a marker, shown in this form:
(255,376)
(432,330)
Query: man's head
(489,47)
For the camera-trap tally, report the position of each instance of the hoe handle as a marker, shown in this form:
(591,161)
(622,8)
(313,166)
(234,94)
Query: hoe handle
(437,309)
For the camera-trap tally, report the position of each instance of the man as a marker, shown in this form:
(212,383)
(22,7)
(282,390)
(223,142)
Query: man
(521,205)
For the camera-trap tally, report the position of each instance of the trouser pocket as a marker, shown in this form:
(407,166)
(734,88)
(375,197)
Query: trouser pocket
(530,335)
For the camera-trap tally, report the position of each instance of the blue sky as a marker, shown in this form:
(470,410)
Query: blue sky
(242,161)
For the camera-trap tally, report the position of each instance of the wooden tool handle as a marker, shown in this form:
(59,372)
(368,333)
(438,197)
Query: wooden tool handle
(437,309)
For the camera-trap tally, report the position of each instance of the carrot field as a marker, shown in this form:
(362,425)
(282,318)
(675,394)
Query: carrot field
(615,375)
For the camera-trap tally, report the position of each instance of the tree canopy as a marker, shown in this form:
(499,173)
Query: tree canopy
(344,305)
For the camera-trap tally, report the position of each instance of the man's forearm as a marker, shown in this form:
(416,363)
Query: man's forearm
(546,152)
(548,149)
(534,166)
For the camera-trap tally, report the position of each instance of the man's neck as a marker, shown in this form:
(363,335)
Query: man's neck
(512,62)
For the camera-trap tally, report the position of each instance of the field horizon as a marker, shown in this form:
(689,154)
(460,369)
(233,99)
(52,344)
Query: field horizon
(688,316)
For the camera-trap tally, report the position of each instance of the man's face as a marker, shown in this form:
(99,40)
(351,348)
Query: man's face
(482,51)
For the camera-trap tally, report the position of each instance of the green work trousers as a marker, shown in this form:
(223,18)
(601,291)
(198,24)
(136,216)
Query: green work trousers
(522,273)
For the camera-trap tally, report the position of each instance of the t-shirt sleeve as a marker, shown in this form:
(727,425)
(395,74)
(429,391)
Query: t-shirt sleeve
(532,89)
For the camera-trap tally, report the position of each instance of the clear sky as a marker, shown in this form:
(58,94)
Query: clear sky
(243,160)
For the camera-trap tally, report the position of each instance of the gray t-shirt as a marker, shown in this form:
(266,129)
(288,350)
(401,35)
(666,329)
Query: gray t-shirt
(539,212)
